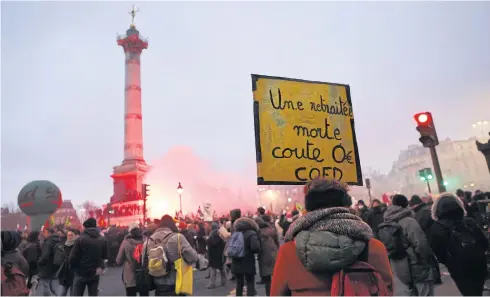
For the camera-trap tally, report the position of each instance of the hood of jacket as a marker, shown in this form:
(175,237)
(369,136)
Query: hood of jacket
(245,224)
(235,214)
(10,240)
(92,232)
(160,234)
(448,206)
(395,213)
(328,240)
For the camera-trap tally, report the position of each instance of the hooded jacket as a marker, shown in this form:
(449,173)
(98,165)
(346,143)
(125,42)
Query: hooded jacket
(320,243)
(250,229)
(448,210)
(416,267)
(170,245)
(125,257)
(46,268)
(88,253)
(10,253)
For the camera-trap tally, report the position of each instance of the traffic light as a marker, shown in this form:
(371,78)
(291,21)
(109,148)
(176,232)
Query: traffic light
(146,190)
(426,128)
(425,174)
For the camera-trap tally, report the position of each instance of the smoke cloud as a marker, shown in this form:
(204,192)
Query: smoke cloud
(201,183)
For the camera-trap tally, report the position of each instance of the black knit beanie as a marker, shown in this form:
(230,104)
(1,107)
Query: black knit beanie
(400,200)
(325,193)
(90,223)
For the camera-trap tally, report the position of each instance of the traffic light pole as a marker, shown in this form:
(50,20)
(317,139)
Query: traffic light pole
(428,185)
(437,170)
(144,209)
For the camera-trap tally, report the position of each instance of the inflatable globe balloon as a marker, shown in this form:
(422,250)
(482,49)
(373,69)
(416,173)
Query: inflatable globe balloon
(39,199)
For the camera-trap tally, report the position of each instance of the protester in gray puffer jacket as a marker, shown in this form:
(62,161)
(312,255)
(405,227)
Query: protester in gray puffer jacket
(415,271)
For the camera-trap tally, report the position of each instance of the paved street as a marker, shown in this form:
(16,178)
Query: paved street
(111,285)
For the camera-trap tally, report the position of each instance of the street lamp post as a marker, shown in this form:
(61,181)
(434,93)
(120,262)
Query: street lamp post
(180,190)
(481,125)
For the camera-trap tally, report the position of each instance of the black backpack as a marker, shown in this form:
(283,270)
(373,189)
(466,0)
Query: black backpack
(463,251)
(144,281)
(392,236)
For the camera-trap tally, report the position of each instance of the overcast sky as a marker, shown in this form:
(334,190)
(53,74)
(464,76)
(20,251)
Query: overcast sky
(63,79)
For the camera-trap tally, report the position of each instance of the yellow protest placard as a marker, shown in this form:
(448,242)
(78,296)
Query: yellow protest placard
(304,130)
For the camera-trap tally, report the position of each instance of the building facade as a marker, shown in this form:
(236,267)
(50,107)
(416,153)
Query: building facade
(462,166)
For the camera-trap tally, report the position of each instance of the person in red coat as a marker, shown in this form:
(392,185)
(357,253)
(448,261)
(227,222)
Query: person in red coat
(328,238)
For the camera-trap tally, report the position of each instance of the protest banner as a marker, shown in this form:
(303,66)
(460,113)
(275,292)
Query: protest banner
(304,130)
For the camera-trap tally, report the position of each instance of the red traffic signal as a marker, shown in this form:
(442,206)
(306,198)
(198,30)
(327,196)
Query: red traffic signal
(423,118)
(425,125)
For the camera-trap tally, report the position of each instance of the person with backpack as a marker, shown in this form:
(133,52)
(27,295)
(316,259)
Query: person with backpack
(460,244)
(46,267)
(163,251)
(32,253)
(87,258)
(408,248)
(131,255)
(242,247)
(216,246)
(65,274)
(325,247)
(269,245)
(15,268)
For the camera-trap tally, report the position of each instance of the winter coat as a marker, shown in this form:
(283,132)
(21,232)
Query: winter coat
(171,251)
(448,210)
(65,274)
(250,229)
(375,217)
(32,253)
(320,243)
(416,267)
(46,267)
(423,217)
(88,253)
(269,246)
(10,252)
(216,246)
(125,256)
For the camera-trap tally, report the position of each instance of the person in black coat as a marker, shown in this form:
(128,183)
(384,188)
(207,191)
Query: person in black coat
(423,216)
(375,215)
(245,268)
(87,259)
(422,213)
(448,211)
(46,268)
(216,246)
(32,253)
(65,274)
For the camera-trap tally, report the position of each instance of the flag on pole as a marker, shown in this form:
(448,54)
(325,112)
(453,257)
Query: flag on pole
(68,222)
(199,212)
